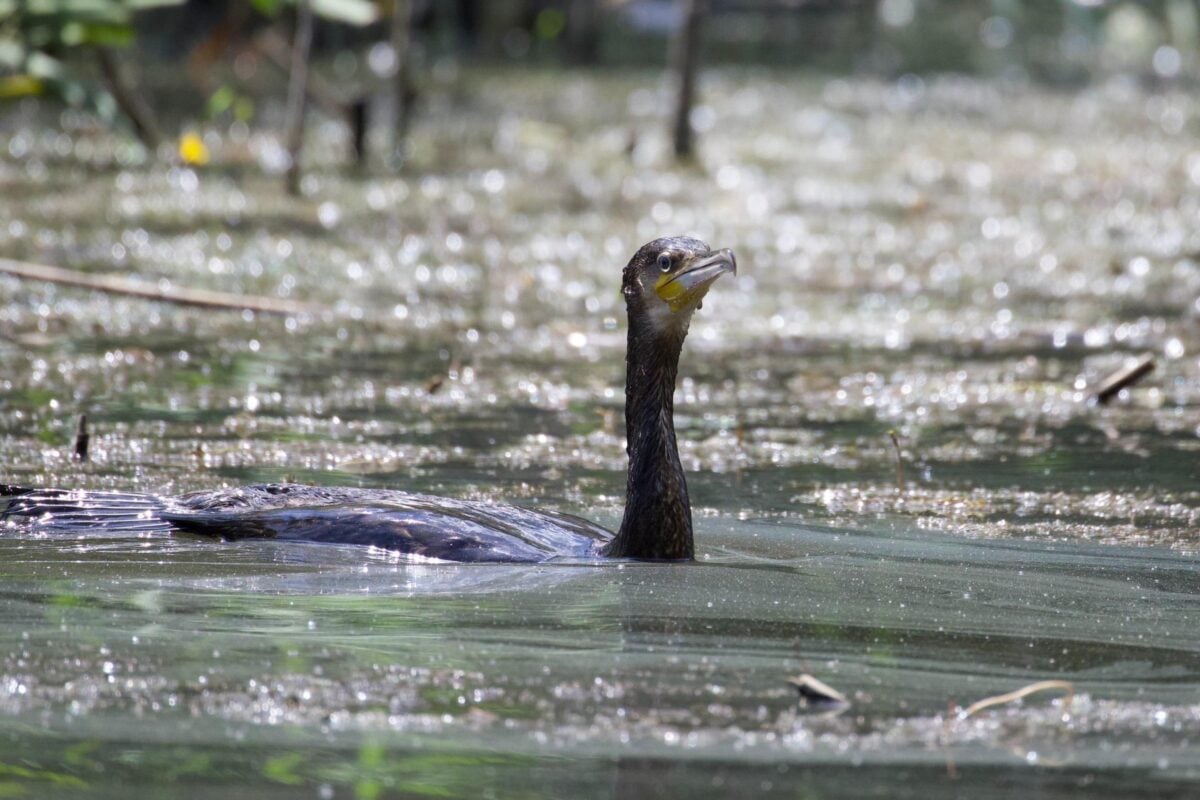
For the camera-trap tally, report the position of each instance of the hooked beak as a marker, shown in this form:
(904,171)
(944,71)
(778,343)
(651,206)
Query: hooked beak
(686,287)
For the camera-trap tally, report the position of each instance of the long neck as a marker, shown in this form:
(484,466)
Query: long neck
(658,517)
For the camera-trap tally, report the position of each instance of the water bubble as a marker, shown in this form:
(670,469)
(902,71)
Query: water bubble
(328,214)
(996,32)
(1167,61)
(187,180)
(728,176)
(377,199)
(703,118)
(493,181)
(381,59)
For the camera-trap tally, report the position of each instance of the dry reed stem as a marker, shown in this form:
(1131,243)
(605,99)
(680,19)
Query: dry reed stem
(1041,686)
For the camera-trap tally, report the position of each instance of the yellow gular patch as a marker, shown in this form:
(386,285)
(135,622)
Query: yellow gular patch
(677,294)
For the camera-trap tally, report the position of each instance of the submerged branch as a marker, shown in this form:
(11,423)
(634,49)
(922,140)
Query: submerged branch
(116,284)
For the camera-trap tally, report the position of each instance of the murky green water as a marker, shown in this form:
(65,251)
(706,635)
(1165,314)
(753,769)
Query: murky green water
(957,262)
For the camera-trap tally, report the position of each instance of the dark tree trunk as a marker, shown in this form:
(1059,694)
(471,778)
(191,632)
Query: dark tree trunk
(298,94)
(359,119)
(583,31)
(402,36)
(128,100)
(686,57)
(275,48)
(866,30)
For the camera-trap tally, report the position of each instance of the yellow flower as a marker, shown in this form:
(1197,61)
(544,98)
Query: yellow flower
(192,150)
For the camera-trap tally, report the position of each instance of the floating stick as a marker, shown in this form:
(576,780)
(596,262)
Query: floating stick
(1125,377)
(116,284)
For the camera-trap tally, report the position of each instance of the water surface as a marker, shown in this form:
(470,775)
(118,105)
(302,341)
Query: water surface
(957,262)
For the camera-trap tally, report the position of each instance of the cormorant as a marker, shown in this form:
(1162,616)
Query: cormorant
(664,282)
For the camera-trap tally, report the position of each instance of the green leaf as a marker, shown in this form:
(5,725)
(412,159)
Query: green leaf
(56,80)
(74,9)
(243,109)
(39,65)
(220,101)
(267,8)
(549,23)
(282,769)
(108,35)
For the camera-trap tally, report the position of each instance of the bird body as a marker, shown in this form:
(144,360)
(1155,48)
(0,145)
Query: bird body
(663,284)
(420,525)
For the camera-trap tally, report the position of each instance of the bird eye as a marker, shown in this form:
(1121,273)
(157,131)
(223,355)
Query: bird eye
(664,262)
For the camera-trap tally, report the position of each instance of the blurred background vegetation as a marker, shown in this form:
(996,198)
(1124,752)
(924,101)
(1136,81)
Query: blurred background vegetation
(163,67)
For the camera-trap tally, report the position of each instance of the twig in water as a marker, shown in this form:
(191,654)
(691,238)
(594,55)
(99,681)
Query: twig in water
(452,373)
(899,461)
(116,284)
(1123,378)
(81,439)
(1041,686)
(951,767)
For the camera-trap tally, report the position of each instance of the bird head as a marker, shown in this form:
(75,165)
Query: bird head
(668,278)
